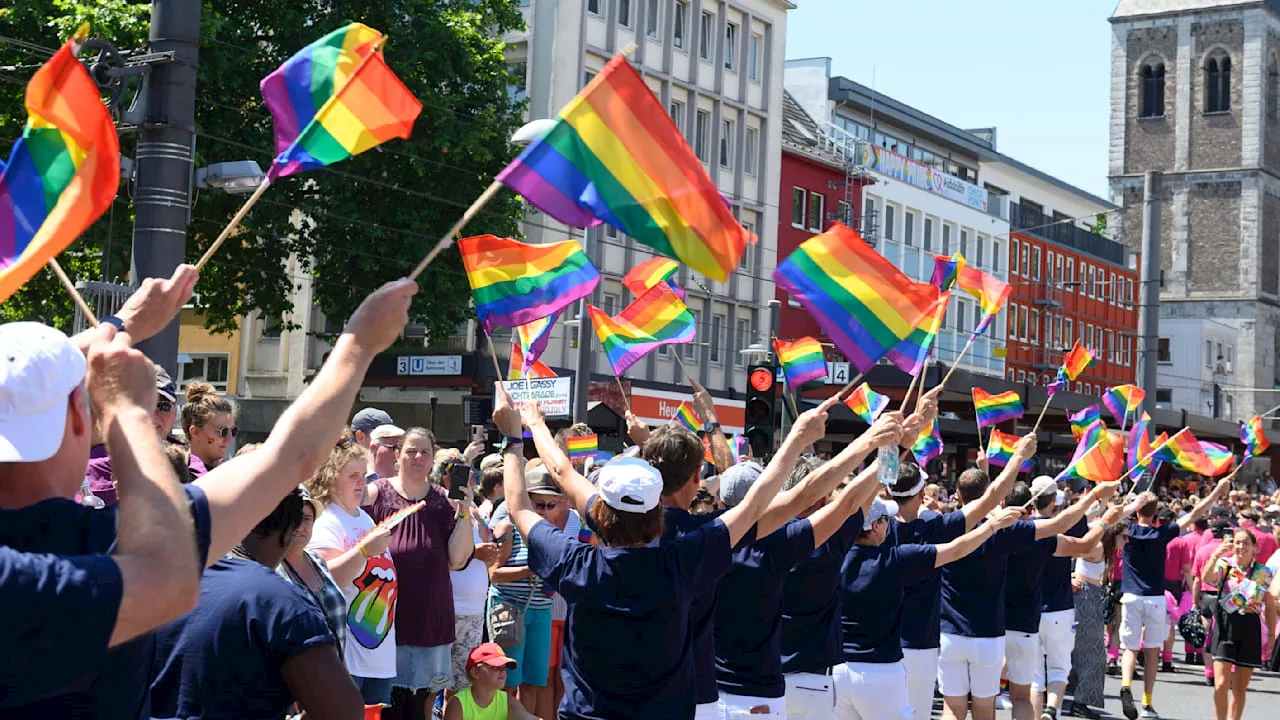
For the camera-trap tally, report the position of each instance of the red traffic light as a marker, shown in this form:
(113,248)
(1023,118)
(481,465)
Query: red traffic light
(761,379)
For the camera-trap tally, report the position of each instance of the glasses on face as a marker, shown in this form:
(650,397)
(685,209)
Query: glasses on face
(392,448)
(223,432)
(164,405)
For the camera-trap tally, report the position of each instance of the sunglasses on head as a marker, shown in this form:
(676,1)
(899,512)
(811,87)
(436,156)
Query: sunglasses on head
(164,405)
(222,432)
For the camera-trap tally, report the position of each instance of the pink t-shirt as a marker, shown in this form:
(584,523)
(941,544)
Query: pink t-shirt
(1178,554)
(1266,542)
(1202,559)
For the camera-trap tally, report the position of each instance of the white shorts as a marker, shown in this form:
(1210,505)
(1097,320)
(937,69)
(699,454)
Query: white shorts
(871,691)
(1144,622)
(810,696)
(707,711)
(969,665)
(1057,639)
(1021,656)
(922,677)
(740,707)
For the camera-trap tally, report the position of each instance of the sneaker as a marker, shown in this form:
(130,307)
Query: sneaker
(1126,703)
(1113,668)
(1150,712)
(1166,667)
(1081,710)
(1050,713)
(1003,702)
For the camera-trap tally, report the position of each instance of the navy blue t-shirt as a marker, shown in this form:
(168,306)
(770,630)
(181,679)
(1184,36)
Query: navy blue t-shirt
(1022,593)
(1143,572)
(872,583)
(922,601)
(223,659)
(678,523)
(749,612)
(629,653)
(1057,594)
(973,586)
(811,604)
(68,671)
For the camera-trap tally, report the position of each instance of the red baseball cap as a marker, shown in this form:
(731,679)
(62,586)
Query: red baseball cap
(490,654)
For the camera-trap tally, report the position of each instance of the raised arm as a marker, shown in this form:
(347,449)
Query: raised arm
(828,518)
(151,307)
(1203,506)
(967,543)
(1078,547)
(247,488)
(975,511)
(810,427)
(576,487)
(1210,575)
(507,418)
(721,454)
(1067,518)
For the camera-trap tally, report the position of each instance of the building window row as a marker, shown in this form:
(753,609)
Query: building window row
(807,208)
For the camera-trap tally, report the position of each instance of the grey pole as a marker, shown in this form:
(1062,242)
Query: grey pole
(166,150)
(775,319)
(1149,307)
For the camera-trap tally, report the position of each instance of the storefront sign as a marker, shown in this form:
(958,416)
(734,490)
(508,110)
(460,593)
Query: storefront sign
(429,365)
(658,407)
(551,394)
(903,169)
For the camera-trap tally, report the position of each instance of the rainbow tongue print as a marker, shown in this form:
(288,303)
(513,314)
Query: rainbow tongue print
(373,611)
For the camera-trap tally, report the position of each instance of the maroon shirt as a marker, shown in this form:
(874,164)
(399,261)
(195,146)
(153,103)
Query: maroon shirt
(420,550)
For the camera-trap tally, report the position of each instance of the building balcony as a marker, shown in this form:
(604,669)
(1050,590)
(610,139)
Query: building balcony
(1067,234)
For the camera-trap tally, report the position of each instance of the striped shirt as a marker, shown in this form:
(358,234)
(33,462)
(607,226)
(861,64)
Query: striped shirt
(518,592)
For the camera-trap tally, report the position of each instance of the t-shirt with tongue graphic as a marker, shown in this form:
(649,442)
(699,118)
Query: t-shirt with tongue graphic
(371,599)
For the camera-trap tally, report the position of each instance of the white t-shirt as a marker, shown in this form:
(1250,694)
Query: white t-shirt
(470,584)
(1274,563)
(371,598)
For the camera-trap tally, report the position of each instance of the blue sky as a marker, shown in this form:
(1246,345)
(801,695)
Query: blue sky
(1038,70)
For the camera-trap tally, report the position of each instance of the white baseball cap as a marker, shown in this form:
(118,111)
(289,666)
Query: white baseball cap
(630,485)
(879,508)
(39,367)
(1043,486)
(385,431)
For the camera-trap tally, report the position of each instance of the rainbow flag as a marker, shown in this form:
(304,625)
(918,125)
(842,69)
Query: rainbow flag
(1076,360)
(1059,383)
(928,445)
(401,515)
(1102,461)
(1123,401)
(990,291)
(651,272)
(909,355)
(867,403)
(583,446)
(515,283)
(615,156)
(1083,419)
(802,360)
(861,301)
(1185,451)
(336,98)
(1254,437)
(1000,451)
(518,368)
(1139,445)
(63,171)
(946,270)
(687,417)
(1221,459)
(532,339)
(655,318)
(995,409)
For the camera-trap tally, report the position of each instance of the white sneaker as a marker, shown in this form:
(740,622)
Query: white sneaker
(1003,702)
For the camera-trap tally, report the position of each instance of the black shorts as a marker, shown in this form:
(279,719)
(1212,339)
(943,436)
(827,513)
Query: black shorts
(1209,603)
(1237,639)
(1175,588)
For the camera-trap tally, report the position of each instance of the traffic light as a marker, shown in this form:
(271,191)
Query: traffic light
(759,420)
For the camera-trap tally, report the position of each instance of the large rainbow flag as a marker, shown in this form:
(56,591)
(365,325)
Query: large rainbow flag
(615,156)
(909,355)
(864,304)
(63,171)
(336,98)
(515,283)
(802,360)
(995,409)
(655,318)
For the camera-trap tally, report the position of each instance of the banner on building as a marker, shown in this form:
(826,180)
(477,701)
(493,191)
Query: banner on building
(905,170)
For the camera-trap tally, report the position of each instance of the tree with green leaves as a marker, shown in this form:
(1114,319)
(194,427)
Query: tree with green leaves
(351,227)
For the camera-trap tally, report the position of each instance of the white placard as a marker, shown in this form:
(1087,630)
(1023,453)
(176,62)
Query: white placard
(551,394)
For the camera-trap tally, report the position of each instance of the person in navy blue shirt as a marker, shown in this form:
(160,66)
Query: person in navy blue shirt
(1144,620)
(255,643)
(872,682)
(629,649)
(1057,618)
(973,616)
(922,601)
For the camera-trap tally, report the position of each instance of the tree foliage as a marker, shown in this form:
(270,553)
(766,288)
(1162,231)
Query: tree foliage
(351,227)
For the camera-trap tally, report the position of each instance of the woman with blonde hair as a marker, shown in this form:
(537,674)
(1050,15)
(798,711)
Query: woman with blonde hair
(209,421)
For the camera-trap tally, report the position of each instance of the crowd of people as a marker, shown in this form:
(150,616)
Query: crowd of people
(337,567)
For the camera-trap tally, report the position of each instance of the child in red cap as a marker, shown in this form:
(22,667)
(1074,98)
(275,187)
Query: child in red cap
(487,667)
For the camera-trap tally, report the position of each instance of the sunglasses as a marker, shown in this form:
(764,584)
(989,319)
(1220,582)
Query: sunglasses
(545,506)
(164,405)
(223,432)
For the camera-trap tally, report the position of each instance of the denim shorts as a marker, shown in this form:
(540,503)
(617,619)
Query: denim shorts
(374,691)
(419,668)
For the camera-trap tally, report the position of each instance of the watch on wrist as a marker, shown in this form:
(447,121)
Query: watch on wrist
(710,427)
(510,442)
(112,320)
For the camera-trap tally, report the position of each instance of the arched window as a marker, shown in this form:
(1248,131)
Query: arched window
(1217,84)
(1151,88)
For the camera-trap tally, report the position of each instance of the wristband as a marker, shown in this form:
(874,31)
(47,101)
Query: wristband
(512,443)
(463,516)
(114,321)
(363,551)
(1100,523)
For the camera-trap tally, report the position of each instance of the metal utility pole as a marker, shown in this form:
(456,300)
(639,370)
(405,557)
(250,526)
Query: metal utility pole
(1149,281)
(166,152)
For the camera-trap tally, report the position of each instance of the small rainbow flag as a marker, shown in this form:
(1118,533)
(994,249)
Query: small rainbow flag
(655,318)
(1076,360)
(63,172)
(1254,437)
(515,283)
(615,156)
(860,300)
(1185,451)
(651,272)
(1123,401)
(1103,461)
(1220,457)
(1139,445)
(583,446)
(867,403)
(910,354)
(334,99)
(928,445)
(995,409)
(516,369)
(1059,383)
(992,293)
(946,270)
(802,360)
(687,417)
(532,339)
(1083,419)
(1000,451)
(401,515)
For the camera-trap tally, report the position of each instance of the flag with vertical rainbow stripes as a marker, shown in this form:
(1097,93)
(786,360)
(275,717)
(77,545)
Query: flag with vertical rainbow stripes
(866,403)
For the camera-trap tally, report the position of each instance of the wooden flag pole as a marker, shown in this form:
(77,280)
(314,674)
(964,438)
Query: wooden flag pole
(683,368)
(622,392)
(911,386)
(493,353)
(1036,427)
(849,386)
(75,294)
(235,222)
(449,236)
(956,363)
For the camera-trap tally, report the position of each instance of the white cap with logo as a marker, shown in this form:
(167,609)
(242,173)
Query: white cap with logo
(39,367)
(879,508)
(630,485)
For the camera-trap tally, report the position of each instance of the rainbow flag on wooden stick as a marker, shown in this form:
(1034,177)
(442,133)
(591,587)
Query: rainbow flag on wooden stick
(686,416)
(928,445)
(1101,461)
(991,292)
(532,339)
(863,303)
(1083,419)
(867,403)
(63,171)
(1000,451)
(519,368)
(655,318)
(615,156)
(651,272)
(995,409)
(515,283)
(1076,360)
(1123,401)
(909,355)
(801,360)
(1254,437)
